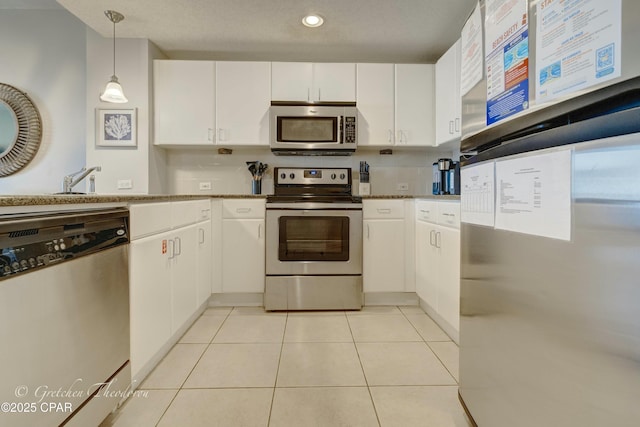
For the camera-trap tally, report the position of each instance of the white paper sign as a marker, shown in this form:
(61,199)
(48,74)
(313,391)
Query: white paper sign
(477,194)
(534,195)
(577,45)
(472,53)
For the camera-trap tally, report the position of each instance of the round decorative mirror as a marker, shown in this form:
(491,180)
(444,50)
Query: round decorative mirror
(20,130)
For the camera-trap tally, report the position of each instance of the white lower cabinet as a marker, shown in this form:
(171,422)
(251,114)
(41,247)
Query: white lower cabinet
(169,276)
(243,246)
(438,261)
(149,297)
(383,249)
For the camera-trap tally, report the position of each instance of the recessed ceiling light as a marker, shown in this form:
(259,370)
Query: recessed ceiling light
(312,21)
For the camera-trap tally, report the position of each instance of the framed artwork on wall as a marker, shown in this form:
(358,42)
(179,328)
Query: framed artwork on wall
(116,128)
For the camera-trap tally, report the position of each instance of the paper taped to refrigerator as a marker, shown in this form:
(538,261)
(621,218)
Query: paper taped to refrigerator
(534,195)
(477,195)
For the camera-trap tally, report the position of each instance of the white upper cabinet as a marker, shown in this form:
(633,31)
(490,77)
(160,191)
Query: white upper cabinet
(414,114)
(396,105)
(376,108)
(243,97)
(448,104)
(313,82)
(184,102)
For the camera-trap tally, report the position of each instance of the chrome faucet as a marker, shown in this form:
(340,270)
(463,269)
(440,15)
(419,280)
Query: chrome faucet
(69,182)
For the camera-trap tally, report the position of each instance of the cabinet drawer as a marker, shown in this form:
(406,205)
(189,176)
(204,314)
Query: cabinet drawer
(243,208)
(426,210)
(185,212)
(203,210)
(149,218)
(449,214)
(383,209)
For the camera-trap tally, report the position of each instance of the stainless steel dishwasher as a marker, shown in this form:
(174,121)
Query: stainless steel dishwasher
(64,317)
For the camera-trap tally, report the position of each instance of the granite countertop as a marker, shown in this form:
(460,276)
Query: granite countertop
(411,196)
(70,199)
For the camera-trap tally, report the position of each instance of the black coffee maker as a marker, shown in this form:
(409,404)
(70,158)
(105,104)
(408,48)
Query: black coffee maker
(446,177)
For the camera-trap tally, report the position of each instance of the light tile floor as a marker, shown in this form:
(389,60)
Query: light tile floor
(382,366)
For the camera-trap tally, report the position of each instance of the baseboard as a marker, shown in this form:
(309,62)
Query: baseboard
(237,300)
(448,329)
(390,298)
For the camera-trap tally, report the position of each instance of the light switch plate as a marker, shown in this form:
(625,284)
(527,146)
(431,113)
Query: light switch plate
(205,185)
(125,184)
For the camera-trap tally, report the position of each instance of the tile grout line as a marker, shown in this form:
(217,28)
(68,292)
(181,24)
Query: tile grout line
(275,382)
(366,380)
(194,366)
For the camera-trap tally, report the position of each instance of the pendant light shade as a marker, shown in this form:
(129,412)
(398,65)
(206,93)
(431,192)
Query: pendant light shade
(113,91)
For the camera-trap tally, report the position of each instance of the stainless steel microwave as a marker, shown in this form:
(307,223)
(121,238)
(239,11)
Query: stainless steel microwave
(305,129)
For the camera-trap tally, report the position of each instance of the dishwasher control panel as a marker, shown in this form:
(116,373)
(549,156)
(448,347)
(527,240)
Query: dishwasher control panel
(24,248)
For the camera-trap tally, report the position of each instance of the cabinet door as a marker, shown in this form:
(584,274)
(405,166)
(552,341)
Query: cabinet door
(150,298)
(243,97)
(291,81)
(334,82)
(414,105)
(375,94)
(449,276)
(184,102)
(204,276)
(243,255)
(184,266)
(427,260)
(383,256)
(448,105)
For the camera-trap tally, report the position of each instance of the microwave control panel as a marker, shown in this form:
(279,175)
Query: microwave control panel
(350,130)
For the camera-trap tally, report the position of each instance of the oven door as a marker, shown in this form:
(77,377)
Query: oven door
(314,242)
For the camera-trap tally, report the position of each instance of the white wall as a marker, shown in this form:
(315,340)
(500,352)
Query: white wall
(43,53)
(228,174)
(142,165)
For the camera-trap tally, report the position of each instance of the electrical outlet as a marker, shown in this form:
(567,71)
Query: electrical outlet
(125,184)
(403,186)
(205,185)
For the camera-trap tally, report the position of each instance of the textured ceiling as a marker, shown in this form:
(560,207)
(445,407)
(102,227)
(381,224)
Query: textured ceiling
(354,31)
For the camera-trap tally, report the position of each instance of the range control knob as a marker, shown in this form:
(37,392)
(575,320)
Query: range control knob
(283,175)
(15,266)
(342,176)
(333,176)
(24,263)
(292,175)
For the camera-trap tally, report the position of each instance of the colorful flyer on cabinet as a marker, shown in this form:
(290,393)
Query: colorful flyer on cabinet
(477,194)
(471,58)
(507,58)
(577,45)
(533,194)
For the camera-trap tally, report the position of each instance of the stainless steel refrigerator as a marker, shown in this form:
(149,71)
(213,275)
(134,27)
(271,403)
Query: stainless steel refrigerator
(550,322)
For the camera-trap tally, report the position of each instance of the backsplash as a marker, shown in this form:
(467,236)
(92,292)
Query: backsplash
(228,174)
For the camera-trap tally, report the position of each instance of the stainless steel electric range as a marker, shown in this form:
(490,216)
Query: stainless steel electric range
(313,241)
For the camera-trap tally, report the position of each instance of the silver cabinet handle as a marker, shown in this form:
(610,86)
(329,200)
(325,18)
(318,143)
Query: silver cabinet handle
(243,210)
(210,135)
(457,127)
(368,231)
(201,235)
(438,240)
(384,211)
(390,136)
(308,95)
(319,94)
(451,127)
(259,231)
(431,237)
(178,246)
(172,249)
(221,135)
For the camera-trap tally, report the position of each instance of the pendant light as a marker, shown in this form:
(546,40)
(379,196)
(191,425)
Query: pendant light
(113,91)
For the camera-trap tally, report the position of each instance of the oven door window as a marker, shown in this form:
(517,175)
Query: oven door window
(307,129)
(313,238)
